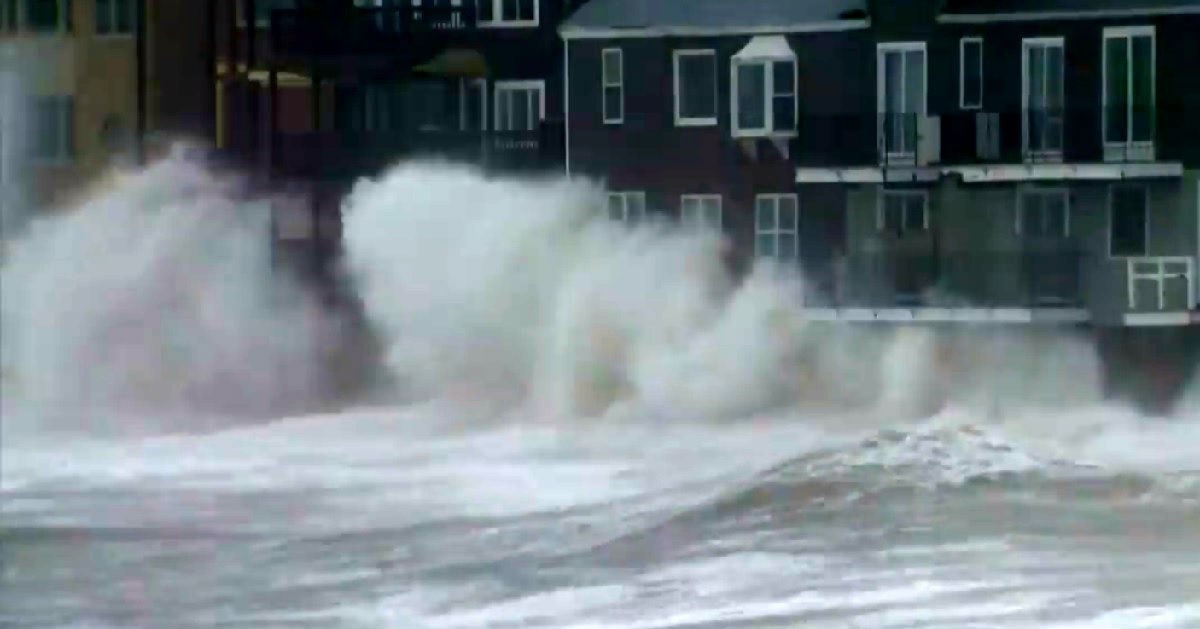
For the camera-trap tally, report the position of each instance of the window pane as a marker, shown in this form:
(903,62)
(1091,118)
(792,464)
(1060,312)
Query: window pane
(487,10)
(525,10)
(751,96)
(972,63)
(787,213)
(1142,67)
(698,86)
(42,15)
(784,113)
(1116,82)
(520,110)
(786,247)
(893,80)
(613,104)
(508,10)
(1037,79)
(503,110)
(783,76)
(104,21)
(914,81)
(765,211)
(124,15)
(764,245)
(1128,224)
(1054,79)
(612,67)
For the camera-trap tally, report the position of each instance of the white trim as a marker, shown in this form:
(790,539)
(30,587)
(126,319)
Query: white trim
(950,315)
(590,32)
(1145,217)
(778,229)
(566,109)
(1142,147)
(881,205)
(680,121)
(881,50)
(984,18)
(1043,191)
(1157,319)
(619,85)
(962,84)
(700,199)
(497,22)
(500,87)
(1041,42)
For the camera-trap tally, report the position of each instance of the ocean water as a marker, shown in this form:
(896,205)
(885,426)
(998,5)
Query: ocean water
(591,426)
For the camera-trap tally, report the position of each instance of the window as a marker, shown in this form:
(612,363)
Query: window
(612,72)
(1128,87)
(1042,86)
(520,105)
(695,87)
(509,12)
(970,73)
(263,8)
(53,128)
(46,16)
(777,226)
(1044,214)
(764,97)
(115,17)
(1128,221)
(701,211)
(901,84)
(902,212)
(627,207)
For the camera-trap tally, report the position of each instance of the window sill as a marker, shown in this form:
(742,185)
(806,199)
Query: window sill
(614,123)
(766,135)
(696,122)
(510,24)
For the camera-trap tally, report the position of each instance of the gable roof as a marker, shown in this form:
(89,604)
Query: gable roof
(1016,10)
(653,18)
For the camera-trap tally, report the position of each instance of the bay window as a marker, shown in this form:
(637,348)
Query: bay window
(764,88)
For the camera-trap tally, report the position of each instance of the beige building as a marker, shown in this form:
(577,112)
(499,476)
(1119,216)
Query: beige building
(73,66)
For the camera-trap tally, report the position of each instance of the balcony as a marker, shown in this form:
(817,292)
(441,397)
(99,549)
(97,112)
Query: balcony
(344,155)
(896,279)
(340,29)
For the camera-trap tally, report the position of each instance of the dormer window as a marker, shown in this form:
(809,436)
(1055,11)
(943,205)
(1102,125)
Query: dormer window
(764,88)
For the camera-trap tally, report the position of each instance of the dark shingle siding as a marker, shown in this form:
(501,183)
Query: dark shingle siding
(999,7)
(618,14)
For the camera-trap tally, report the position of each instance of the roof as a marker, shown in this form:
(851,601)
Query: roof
(1033,9)
(713,16)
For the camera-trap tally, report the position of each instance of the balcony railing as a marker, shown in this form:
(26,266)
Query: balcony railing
(342,29)
(968,279)
(333,155)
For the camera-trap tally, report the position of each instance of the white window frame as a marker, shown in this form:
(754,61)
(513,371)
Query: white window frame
(1043,191)
(768,101)
(19,21)
(1026,44)
(1112,189)
(881,206)
(777,230)
(605,85)
(680,121)
(1145,148)
(499,88)
(625,196)
(962,74)
(695,218)
(497,20)
(883,49)
(114,12)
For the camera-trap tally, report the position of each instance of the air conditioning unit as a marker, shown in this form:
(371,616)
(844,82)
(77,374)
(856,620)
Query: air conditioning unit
(929,140)
(987,136)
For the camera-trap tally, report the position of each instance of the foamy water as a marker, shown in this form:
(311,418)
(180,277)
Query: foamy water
(600,429)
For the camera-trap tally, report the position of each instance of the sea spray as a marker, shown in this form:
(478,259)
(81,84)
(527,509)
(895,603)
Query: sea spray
(154,298)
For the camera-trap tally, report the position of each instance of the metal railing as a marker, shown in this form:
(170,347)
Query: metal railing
(1013,279)
(338,28)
